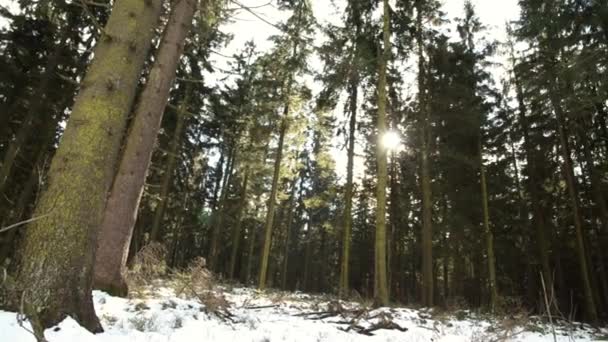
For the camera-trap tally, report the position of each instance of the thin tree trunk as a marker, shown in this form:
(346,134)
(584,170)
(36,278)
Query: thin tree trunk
(116,229)
(155,233)
(425,178)
(534,184)
(488,234)
(348,195)
(307,255)
(600,203)
(380,284)
(567,168)
(272,203)
(59,247)
(290,214)
(251,239)
(236,230)
(219,214)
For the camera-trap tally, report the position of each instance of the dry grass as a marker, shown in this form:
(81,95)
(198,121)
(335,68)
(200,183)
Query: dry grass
(198,282)
(149,265)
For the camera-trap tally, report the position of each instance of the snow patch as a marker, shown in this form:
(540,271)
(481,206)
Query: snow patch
(274,317)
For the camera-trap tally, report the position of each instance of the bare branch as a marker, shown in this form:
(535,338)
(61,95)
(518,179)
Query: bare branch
(18,224)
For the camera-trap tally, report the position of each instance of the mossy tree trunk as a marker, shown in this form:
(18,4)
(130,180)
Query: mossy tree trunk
(59,247)
(381,282)
(116,229)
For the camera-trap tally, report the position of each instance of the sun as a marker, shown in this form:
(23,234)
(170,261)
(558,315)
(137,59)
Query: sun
(391,140)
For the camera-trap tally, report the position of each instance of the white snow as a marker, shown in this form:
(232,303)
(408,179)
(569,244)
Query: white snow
(163,316)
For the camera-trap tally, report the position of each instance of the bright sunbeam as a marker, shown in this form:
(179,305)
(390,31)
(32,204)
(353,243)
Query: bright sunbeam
(391,140)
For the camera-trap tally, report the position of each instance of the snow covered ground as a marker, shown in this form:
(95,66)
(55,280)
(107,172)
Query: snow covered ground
(162,316)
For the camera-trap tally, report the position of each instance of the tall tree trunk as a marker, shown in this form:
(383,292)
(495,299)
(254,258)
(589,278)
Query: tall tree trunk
(567,168)
(425,176)
(380,283)
(534,186)
(602,208)
(219,213)
(307,254)
(119,217)
(251,236)
(488,233)
(236,230)
(287,241)
(159,214)
(343,288)
(59,247)
(272,202)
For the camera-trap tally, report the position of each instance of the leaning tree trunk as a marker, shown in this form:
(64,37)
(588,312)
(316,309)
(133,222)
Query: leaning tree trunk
(121,211)
(59,247)
(381,284)
(272,203)
(567,167)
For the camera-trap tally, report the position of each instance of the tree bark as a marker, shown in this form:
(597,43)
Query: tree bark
(381,284)
(59,247)
(120,214)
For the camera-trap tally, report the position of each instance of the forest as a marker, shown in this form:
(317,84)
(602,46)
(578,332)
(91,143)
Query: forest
(475,169)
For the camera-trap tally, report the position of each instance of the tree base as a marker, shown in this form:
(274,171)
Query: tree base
(117,287)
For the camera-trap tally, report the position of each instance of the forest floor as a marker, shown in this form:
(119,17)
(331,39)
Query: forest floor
(167,313)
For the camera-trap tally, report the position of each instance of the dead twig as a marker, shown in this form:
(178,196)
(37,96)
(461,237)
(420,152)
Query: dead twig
(260,307)
(21,223)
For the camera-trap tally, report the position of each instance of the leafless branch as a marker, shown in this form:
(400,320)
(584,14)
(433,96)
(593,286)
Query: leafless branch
(249,9)
(18,224)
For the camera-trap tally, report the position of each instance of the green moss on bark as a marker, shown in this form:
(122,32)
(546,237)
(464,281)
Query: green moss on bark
(58,249)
